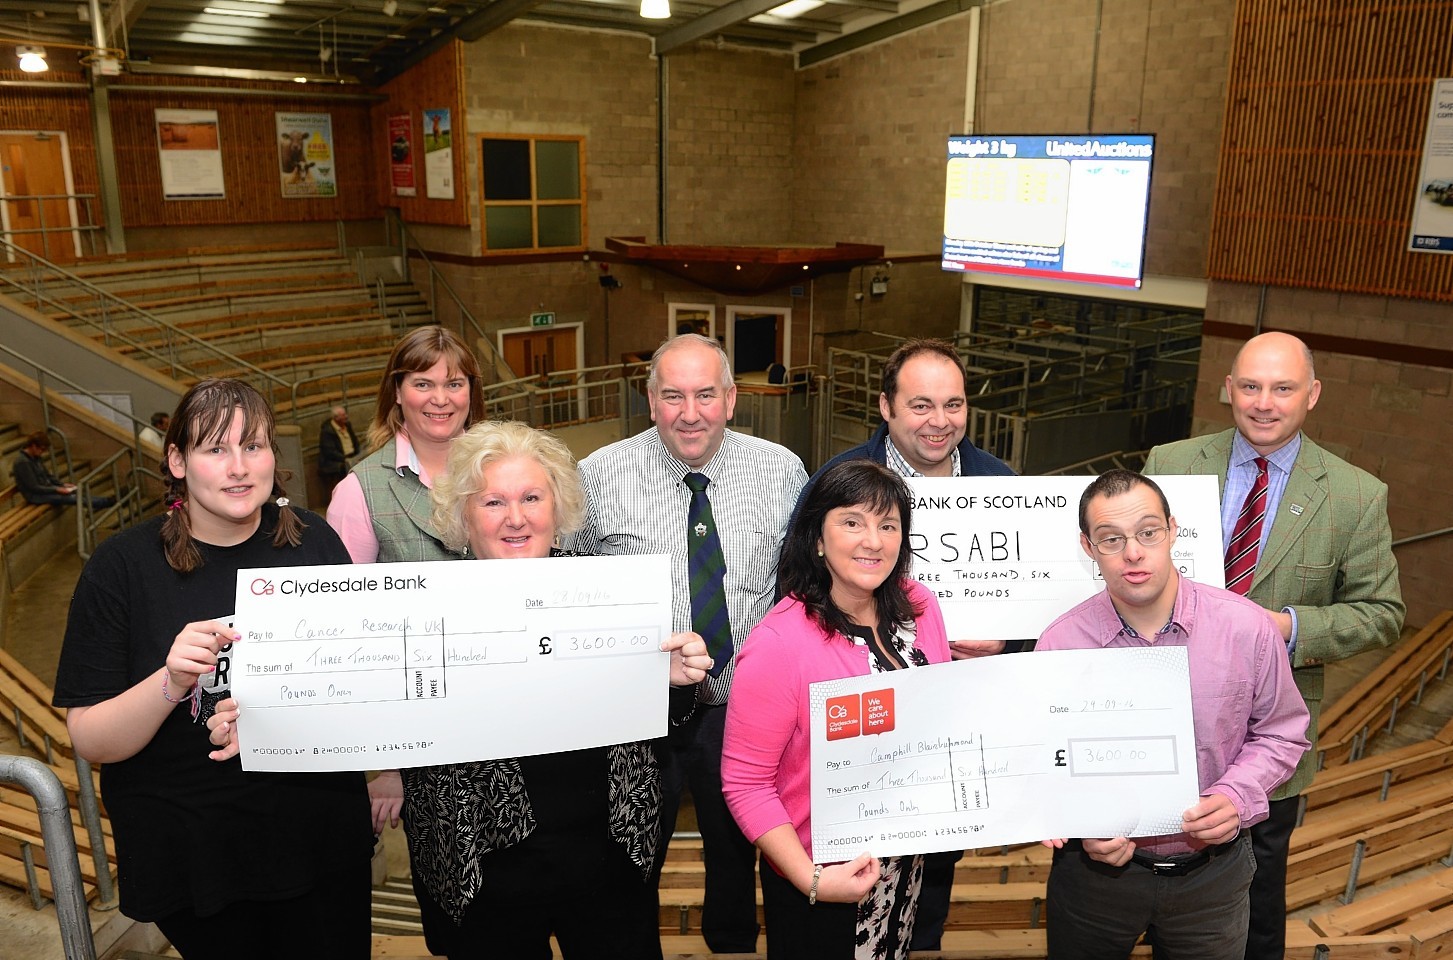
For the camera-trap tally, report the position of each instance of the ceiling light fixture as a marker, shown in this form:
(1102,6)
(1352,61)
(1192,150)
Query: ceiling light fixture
(228,12)
(656,9)
(32,58)
(390,7)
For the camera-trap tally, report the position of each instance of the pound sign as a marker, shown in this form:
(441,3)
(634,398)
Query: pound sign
(1059,758)
(544,645)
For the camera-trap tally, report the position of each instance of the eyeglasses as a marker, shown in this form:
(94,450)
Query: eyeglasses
(1148,537)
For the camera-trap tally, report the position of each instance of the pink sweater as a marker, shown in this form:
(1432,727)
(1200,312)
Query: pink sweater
(765,765)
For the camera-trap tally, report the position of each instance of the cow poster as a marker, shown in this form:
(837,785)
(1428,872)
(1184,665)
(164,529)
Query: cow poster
(401,155)
(191,155)
(438,155)
(305,154)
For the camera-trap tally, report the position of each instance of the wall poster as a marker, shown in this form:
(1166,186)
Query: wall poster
(438,155)
(401,155)
(191,155)
(305,154)
(1432,230)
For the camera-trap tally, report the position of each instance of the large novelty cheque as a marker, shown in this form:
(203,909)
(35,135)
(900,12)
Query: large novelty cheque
(1003,553)
(1064,743)
(379,666)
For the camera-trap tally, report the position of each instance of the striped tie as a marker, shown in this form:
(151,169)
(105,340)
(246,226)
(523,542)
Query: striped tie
(706,570)
(1245,542)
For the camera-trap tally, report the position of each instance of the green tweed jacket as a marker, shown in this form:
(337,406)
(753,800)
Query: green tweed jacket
(1328,557)
(400,509)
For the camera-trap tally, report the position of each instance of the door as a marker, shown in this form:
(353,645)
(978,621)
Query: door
(34,164)
(539,353)
(757,341)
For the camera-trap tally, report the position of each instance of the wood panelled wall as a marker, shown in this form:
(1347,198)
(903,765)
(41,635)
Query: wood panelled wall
(248,133)
(435,83)
(56,110)
(1325,116)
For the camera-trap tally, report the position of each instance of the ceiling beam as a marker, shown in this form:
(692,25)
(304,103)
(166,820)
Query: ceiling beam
(471,28)
(884,30)
(712,23)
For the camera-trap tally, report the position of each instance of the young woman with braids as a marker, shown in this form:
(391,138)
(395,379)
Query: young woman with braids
(227,863)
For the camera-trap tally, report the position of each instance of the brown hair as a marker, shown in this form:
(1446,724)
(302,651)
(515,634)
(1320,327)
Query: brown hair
(918,348)
(419,350)
(1115,483)
(204,416)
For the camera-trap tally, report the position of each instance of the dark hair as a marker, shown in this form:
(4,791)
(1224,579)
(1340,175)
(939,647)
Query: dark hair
(1114,483)
(158,418)
(917,348)
(39,439)
(416,352)
(803,574)
(204,416)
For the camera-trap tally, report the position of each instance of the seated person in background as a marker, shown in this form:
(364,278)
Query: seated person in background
(848,610)
(37,484)
(159,423)
(1189,889)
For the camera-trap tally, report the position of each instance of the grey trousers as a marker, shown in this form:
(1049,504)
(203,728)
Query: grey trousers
(1098,912)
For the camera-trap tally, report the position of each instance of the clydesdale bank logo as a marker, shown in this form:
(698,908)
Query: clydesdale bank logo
(262,587)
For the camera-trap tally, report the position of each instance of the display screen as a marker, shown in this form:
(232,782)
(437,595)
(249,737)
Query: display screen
(1057,207)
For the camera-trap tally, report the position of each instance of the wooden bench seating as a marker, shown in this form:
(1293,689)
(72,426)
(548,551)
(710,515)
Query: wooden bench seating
(1392,683)
(1390,908)
(1368,776)
(166,296)
(205,324)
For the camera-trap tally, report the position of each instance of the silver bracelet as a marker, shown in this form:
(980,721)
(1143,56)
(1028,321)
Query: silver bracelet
(816,876)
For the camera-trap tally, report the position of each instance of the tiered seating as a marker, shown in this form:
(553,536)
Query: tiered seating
(1395,683)
(26,703)
(299,314)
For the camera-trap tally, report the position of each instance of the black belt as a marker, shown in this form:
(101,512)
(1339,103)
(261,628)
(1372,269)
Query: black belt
(1180,864)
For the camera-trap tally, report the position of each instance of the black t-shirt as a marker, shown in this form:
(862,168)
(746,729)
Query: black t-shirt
(192,833)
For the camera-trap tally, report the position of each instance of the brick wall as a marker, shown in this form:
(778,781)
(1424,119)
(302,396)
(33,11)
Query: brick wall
(532,79)
(869,140)
(729,136)
(1160,69)
(1390,417)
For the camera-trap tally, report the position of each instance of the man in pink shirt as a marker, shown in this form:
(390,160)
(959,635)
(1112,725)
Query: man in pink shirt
(1189,889)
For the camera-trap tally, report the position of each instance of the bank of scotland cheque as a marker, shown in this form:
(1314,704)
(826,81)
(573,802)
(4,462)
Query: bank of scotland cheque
(1071,743)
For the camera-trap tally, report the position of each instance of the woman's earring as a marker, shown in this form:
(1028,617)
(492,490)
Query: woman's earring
(819,553)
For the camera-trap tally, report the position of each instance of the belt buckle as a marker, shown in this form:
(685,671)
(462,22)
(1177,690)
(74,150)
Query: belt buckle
(1167,868)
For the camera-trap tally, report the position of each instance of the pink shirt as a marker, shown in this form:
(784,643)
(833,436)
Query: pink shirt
(348,510)
(765,765)
(1250,721)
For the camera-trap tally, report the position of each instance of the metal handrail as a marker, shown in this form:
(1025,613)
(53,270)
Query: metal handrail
(436,279)
(60,851)
(1419,537)
(89,228)
(37,263)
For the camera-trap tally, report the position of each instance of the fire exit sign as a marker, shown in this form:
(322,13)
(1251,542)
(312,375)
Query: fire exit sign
(542,319)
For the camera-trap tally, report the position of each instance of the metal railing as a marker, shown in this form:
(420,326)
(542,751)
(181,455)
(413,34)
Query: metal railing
(1120,377)
(114,312)
(87,228)
(468,326)
(60,851)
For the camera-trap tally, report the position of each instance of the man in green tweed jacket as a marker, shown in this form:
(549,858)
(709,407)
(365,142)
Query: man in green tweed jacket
(1325,569)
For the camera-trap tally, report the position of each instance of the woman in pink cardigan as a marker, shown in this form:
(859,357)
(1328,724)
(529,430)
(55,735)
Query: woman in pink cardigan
(847,610)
